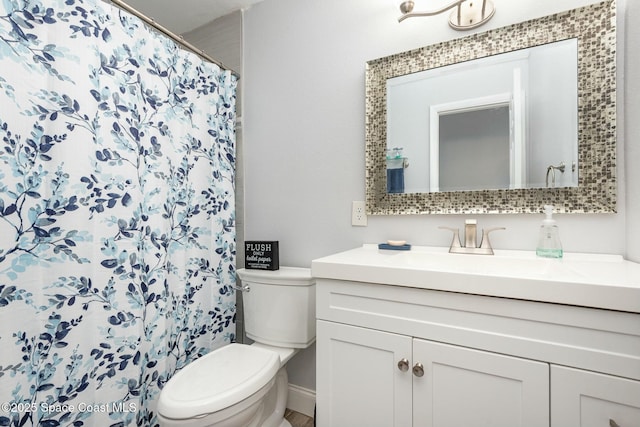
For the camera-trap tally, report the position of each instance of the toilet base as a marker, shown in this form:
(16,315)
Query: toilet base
(275,403)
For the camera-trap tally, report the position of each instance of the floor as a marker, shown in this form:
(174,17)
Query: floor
(297,419)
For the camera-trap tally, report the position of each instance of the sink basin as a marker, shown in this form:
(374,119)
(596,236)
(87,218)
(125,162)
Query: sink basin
(505,264)
(593,280)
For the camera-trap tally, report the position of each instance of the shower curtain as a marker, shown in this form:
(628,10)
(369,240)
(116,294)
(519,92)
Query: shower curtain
(117,231)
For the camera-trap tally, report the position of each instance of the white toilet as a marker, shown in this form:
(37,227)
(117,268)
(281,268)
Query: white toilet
(246,385)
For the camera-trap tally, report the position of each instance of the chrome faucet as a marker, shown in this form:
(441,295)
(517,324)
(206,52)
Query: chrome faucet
(470,233)
(470,238)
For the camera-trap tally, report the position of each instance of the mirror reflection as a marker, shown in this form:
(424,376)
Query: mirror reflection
(506,121)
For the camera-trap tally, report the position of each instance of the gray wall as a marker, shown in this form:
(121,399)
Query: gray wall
(304,133)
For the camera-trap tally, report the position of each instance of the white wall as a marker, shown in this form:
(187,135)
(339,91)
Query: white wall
(304,133)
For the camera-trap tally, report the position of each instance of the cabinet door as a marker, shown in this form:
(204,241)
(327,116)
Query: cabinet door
(466,387)
(587,399)
(358,379)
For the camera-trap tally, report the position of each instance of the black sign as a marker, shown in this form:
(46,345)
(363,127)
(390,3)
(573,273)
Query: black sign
(261,255)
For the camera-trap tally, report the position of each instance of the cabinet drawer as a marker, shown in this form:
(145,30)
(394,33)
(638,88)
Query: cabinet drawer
(592,339)
(588,399)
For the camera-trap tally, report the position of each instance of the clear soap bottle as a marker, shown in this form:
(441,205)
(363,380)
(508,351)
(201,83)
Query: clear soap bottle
(549,245)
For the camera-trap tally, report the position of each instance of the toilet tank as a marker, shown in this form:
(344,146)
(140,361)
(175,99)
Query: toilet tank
(280,306)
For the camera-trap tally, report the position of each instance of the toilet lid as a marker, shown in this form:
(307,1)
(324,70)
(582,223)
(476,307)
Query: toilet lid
(218,380)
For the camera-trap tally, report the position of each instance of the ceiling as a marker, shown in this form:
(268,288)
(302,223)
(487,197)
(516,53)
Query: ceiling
(185,15)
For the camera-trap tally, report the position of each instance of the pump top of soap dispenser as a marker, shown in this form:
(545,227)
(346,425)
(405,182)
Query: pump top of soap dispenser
(548,210)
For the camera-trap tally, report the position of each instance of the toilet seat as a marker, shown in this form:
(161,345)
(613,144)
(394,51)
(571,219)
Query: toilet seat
(218,380)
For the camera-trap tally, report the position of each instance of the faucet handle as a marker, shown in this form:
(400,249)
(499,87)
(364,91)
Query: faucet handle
(455,243)
(485,244)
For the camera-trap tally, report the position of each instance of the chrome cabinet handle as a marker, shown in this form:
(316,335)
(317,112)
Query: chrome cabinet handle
(418,369)
(403,365)
(613,423)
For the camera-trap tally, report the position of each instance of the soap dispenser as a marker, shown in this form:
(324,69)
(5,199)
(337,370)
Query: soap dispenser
(549,245)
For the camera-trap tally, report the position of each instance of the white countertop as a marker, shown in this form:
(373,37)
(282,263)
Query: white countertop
(590,280)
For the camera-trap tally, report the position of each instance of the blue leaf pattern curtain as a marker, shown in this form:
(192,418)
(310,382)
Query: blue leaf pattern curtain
(117,232)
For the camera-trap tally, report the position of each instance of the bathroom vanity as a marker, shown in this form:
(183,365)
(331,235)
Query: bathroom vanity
(428,338)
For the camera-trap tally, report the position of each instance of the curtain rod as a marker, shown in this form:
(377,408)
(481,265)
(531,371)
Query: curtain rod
(176,38)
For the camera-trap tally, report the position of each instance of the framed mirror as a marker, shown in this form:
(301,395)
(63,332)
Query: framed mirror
(465,126)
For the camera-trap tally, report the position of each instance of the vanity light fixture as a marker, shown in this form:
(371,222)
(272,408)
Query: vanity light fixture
(468,14)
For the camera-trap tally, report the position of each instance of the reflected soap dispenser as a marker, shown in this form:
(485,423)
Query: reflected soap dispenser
(549,245)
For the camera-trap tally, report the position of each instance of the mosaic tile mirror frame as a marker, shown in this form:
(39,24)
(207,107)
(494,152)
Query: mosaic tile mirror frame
(594,26)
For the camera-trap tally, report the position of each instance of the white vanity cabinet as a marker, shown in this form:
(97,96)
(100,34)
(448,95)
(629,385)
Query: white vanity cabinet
(358,382)
(589,399)
(467,387)
(401,356)
(386,380)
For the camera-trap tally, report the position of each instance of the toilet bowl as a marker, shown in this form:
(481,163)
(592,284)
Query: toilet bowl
(247,385)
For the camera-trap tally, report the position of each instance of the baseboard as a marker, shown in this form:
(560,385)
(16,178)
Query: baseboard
(301,400)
